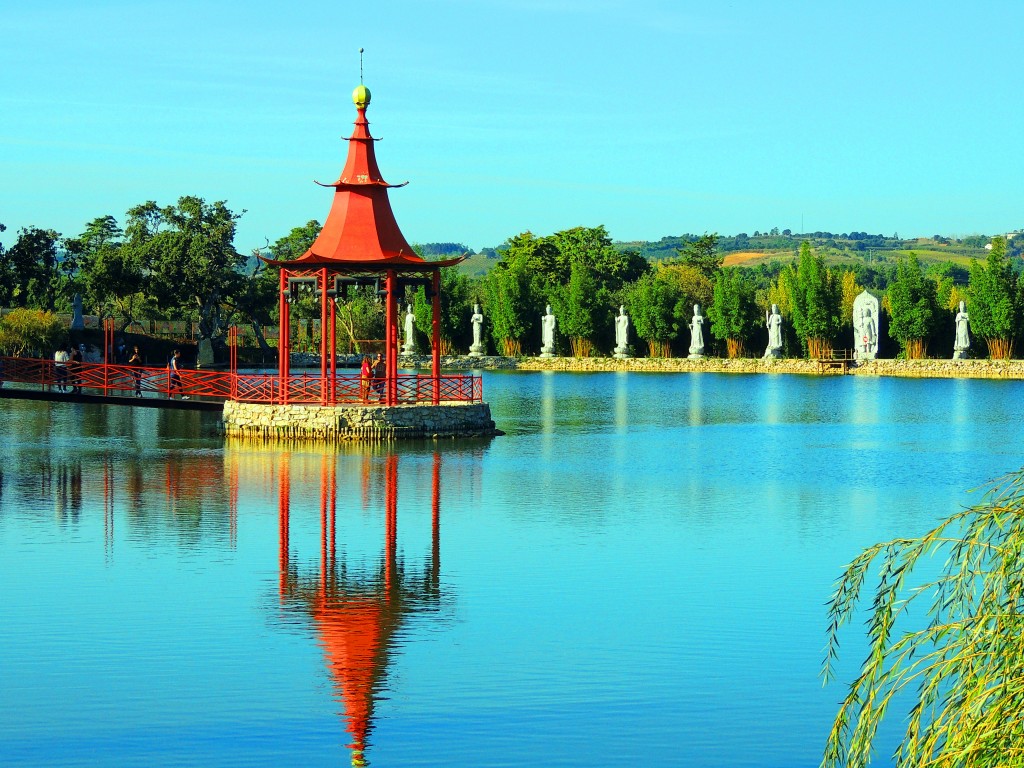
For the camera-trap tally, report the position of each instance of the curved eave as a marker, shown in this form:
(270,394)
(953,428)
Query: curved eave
(341,183)
(405,263)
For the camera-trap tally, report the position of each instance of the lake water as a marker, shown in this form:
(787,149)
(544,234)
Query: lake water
(635,574)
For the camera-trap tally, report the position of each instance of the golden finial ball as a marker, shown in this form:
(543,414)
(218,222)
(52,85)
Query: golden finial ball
(361,96)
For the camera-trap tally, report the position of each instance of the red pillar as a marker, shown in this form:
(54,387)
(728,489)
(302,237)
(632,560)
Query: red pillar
(391,338)
(435,336)
(283,348)
(324,347)
(334,351)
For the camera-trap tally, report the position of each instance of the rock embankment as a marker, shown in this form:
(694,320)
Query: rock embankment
(365,423)
(948,369)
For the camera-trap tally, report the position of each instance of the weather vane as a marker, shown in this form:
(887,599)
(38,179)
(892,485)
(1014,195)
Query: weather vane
(360,66)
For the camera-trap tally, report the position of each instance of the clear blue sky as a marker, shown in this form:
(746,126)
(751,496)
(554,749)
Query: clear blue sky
(652,117)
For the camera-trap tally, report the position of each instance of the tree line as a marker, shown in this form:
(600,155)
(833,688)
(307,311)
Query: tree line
(179,262)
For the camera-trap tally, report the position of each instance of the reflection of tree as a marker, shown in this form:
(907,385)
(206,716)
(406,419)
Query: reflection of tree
(356,611)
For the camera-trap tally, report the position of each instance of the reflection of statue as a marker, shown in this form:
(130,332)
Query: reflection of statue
(697,334)
(476,349)
(865,327)
(622,334)
(774,322)
(963,334)
(409,348)
(547,334)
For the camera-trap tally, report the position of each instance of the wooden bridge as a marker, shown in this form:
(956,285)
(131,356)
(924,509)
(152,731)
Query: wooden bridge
(42,379)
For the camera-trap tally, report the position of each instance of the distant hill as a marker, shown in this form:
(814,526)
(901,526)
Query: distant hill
(476,265)
(855,249)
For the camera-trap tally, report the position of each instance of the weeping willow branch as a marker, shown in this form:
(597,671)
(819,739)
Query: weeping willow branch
(963,670)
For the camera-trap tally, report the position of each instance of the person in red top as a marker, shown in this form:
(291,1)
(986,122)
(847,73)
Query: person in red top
(364,378)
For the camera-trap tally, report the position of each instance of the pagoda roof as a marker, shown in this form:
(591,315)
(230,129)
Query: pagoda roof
(361,232)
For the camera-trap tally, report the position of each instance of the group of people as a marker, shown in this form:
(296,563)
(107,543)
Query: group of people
(372,376)
(67,362)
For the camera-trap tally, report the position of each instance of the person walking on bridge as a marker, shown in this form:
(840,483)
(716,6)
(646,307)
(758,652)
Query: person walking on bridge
(175,384)
(136,362)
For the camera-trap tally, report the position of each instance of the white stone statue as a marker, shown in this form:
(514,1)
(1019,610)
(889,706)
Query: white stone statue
(409,347)
(865,327)
(963,334)
(622,334)
(547,333)
(774,322)
(77,321)
(476,349)
(697,334)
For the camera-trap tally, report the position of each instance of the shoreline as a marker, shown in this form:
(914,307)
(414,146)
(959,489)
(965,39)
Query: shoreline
(915,369)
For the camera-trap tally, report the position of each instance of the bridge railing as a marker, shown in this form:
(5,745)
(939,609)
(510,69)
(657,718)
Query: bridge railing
(126,380)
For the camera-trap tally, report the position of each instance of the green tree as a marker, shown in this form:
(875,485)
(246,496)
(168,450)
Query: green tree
(914,306)
(815,298)
(733,311)
(510,307)
(577,307)
(702,253)
(109,277)
(32,269)
(653,303)
(187,251)
(994,301)
(30,331)
(951,645)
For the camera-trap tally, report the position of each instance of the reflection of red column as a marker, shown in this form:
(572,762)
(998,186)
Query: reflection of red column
(283,502)
(435,518)
(435,337)
(108,505)
(233,502)
(333,511)
(391,518)
(323,523)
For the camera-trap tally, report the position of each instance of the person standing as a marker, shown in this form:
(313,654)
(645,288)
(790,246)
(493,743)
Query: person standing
(365,373)
(75,368)
(379,373)
(174,365)
(60,367)
(136,362)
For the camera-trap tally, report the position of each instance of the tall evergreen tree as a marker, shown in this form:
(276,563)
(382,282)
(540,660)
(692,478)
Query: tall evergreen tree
(733,311)
(913,303)
(994,301)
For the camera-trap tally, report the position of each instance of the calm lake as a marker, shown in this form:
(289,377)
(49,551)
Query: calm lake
(636,574)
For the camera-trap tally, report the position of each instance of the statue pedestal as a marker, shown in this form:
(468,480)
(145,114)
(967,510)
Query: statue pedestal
(546,352)
(960,354)
(772,354)
(408,349)
(476,350)
(695,357)
(621,353)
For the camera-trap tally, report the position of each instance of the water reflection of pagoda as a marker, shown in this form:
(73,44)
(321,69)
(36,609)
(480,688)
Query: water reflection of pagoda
(356,611)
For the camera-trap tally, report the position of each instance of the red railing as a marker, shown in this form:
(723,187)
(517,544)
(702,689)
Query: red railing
(299,388)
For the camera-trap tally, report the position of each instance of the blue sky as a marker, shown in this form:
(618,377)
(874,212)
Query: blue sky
(651,117)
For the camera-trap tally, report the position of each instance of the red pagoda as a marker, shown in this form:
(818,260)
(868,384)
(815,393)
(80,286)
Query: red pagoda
(360,244)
